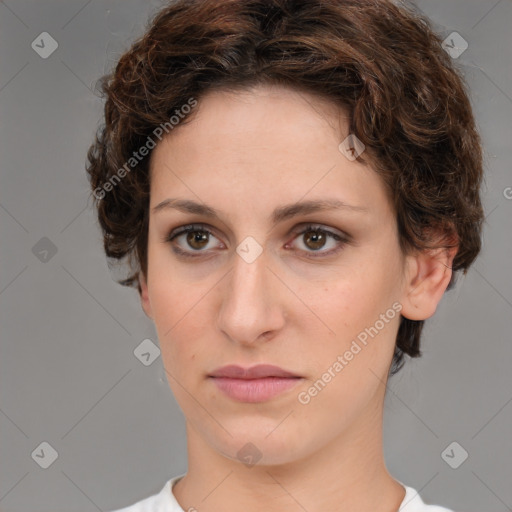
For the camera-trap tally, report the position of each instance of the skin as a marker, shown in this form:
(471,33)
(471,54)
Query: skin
(245,154)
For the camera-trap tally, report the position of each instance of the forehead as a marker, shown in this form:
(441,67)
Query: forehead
(273,118)
(259,145)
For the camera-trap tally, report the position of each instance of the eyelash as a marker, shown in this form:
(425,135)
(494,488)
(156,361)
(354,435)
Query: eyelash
(310,227)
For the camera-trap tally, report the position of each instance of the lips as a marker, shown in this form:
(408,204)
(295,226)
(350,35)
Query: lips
(257,384)
(255,372)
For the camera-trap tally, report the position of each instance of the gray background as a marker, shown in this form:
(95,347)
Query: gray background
(69,376)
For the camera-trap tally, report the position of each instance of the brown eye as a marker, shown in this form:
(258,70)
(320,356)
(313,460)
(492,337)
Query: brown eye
(314,239)
(192,240)
(197,239)
(317,242)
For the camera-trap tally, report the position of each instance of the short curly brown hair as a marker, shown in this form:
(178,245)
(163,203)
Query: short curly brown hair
(384,64)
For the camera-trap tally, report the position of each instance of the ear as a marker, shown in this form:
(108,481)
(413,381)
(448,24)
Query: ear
(427,277)
(144,296)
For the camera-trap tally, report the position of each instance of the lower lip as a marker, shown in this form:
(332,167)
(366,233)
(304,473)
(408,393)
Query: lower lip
(254,390)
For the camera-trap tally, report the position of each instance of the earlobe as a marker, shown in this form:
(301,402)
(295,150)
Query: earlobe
(144,296)
(429,273)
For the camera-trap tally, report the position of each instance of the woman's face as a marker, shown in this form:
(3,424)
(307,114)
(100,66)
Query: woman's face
(254,285)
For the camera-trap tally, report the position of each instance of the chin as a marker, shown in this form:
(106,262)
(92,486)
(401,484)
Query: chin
(261,444)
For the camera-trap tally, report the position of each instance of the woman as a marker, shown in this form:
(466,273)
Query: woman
(295,185)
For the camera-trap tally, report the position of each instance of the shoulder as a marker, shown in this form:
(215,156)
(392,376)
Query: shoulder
(412,502)
(163,501)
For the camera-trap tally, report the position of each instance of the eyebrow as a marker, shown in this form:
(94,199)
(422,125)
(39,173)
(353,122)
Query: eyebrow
(280,214)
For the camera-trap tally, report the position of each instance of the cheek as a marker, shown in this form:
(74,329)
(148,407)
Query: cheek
(351,300)
(179,317)
(348,367)
(352,307)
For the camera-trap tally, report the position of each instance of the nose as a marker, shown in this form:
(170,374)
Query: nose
(253,302)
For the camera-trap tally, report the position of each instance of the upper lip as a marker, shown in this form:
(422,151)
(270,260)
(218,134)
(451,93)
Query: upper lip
(255,372)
